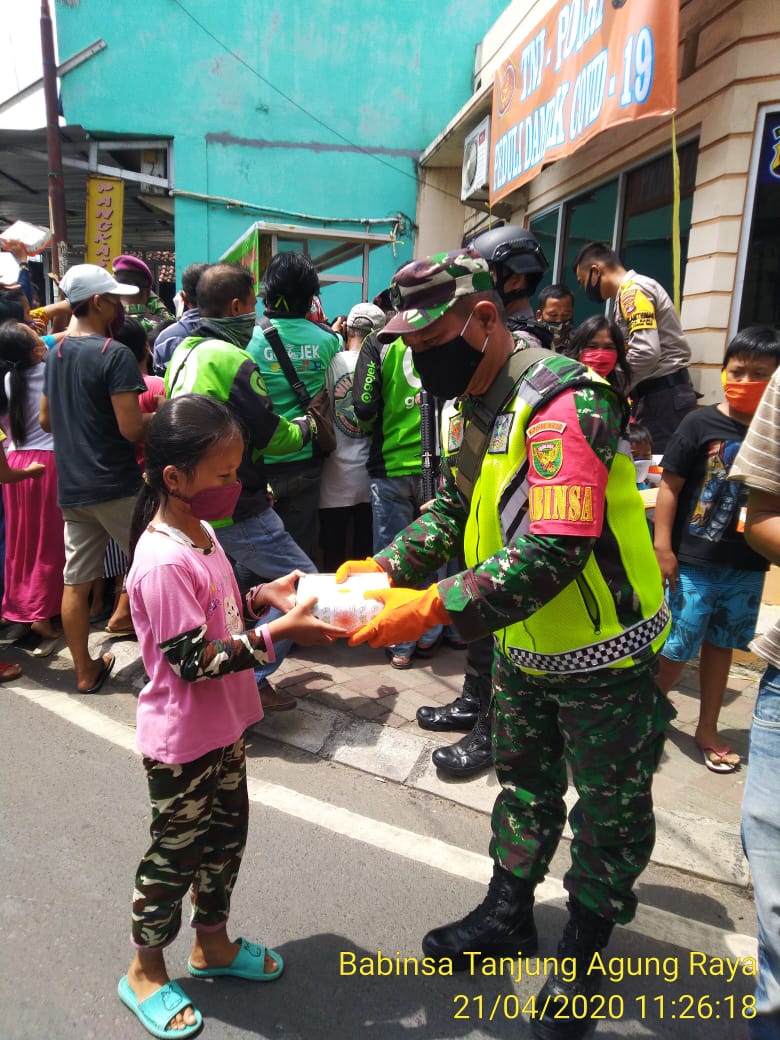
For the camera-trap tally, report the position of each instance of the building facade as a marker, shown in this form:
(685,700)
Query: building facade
(299,117)
(619,187)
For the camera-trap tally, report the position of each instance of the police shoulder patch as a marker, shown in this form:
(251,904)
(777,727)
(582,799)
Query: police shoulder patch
(499,438)
(547,457)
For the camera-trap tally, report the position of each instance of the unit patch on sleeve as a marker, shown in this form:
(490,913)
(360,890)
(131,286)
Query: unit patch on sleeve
(547,457)
(566,481)
(499,438)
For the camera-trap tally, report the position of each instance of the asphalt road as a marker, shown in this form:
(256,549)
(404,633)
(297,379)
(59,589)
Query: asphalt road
(340,866)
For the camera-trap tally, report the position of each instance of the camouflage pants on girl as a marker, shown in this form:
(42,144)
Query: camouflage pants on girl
(200,814)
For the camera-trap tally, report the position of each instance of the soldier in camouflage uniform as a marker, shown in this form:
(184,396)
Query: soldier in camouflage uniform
(560,568)
(147,306)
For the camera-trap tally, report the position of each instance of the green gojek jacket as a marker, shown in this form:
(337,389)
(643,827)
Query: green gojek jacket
(226,372)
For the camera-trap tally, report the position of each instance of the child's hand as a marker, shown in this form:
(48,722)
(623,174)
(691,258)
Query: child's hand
(279,593)
(667,561)
(35,470)
(300,625)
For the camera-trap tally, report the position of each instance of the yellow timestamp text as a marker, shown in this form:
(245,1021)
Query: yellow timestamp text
(612,1007)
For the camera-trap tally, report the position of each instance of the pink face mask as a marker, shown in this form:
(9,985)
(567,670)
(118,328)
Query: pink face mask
(216,503)
(601,361)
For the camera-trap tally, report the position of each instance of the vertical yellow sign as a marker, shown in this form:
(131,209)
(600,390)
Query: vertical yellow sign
(105,215)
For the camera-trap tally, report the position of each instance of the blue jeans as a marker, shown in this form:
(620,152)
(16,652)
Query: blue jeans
(761,842)
(261,545)
(395,502)
(297,500)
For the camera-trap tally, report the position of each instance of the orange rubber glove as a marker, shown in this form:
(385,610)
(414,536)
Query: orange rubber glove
(367,566)
(406,615)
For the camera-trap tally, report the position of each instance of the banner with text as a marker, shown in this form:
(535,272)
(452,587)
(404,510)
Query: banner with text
(105,217)
(590,65)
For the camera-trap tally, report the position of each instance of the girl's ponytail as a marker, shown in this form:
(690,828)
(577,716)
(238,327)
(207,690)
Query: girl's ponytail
(146,505)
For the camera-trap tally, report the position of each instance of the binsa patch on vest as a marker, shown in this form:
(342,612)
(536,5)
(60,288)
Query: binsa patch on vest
(569,502)
(499,437)
(566,479)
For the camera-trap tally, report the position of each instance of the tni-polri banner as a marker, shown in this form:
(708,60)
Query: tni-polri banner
(589,65)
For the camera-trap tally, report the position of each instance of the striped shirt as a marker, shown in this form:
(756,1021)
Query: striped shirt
(758,465)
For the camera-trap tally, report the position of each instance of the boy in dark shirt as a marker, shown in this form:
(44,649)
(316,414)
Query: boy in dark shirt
(714,578)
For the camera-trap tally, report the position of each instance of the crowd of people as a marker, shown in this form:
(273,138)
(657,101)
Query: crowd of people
(202,464)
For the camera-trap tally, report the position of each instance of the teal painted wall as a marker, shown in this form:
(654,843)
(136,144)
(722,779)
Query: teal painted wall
(380,77)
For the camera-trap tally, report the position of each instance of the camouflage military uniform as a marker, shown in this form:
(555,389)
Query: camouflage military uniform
(150,314)
(606,723)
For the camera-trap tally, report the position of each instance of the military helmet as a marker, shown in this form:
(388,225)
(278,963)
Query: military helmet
(515,248)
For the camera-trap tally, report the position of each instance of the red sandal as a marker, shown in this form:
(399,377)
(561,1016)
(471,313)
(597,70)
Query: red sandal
(9,672)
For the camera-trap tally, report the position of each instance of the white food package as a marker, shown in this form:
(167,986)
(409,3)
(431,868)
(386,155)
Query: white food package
(33,238)
(343,605)
(9,269)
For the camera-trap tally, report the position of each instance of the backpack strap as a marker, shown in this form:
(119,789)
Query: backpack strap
(486,408)
(271,333)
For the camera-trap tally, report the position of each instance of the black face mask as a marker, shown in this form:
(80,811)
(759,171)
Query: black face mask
(593,291)
(446,370)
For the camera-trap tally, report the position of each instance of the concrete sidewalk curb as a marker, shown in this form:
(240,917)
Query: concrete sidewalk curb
(684,841)
(689,841)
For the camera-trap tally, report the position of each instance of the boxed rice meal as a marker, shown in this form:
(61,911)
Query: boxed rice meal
(343,605)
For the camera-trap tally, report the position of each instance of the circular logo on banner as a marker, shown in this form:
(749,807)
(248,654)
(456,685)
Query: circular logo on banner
(506,90)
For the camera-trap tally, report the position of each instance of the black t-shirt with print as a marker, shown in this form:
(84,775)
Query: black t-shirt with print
(702,450)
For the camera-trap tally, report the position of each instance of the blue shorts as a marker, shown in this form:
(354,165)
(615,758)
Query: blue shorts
(718,604)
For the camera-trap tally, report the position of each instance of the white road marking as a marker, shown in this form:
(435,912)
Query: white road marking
(649,922)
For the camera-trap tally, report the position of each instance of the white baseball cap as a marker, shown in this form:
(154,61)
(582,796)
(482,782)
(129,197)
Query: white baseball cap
(85,280)
(366,316)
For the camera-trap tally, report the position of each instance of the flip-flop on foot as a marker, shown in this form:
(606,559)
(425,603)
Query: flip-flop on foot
(157,1011)
(46,647)
(120,630)
(107,663)
(249,963)
(717,765)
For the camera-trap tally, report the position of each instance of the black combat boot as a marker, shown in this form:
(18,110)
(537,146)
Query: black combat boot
(567,990)
(472,753)
(501,926)
(460,714)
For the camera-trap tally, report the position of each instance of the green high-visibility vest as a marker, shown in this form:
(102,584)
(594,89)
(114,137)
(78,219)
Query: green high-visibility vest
(579,629)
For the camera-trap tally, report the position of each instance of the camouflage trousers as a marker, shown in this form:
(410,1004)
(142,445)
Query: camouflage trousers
(608,726)
(200,815)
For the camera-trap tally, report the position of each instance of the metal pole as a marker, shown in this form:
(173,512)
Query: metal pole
(57,217)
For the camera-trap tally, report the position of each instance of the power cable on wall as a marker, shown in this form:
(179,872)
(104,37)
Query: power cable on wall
(305,111)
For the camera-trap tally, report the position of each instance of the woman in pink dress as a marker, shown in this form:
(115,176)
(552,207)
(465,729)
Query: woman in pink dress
(35,545)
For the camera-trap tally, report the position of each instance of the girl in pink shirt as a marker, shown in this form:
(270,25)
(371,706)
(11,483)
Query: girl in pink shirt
(192,713)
